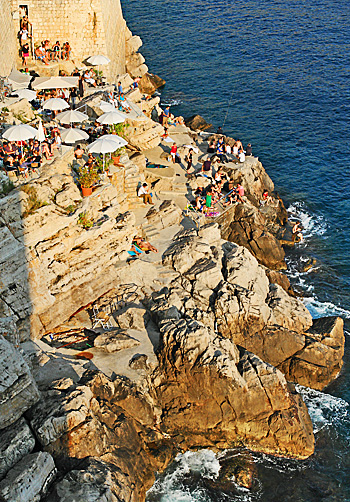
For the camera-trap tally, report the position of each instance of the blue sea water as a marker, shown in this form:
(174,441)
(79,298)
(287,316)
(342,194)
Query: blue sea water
(276,74)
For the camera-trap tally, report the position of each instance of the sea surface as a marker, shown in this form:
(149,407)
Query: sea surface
(275,74)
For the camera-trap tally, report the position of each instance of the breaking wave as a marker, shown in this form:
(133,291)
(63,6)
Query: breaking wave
(324,409)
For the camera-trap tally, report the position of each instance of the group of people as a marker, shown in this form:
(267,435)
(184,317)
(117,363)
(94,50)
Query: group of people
(227,153)
(22,157)
(45,53)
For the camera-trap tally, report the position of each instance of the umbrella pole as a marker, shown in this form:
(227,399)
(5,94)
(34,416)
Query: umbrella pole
(103,163)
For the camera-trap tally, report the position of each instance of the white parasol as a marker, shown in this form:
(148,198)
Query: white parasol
(40,135)
(106,144)
(107,107)
(20,132)
(26,94)
(55,82)
(19,80)
(71,116)
(55,104)
(112,117)
(73,135)
(98,59)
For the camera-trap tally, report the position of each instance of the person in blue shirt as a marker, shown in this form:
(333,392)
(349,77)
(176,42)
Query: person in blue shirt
(120,88)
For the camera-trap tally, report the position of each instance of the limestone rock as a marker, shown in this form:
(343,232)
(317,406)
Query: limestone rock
(149,83)
(58,413)
(22,111)
(243,269)
(114,340)
(287,311)
(199,370)
(18,391)
(321,359)
(139,362)
(281,279)
(132,45)
(184,253)
(133,318)
(167,215)
(68,196)
(197,123)
(16,441)
(246,226)
(28,480)
(142,133)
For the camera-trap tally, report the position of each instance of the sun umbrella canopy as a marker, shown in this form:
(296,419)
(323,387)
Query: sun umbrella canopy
(72,135)
(55,104)
(103,145)
(26,94)
(107,107)
(97,60)
(117,139)
(112,117)
(19,80)
(55,82)
(71,116)
(20,132)
(40,135)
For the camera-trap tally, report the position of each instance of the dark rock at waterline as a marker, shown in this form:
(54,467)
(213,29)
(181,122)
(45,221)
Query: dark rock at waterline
(281,279)
(149,83)
(197,123)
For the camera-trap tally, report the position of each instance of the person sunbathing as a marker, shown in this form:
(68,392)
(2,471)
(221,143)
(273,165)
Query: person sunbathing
(144,245)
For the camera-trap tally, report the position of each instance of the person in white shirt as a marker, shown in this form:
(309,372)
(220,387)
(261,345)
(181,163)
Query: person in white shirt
(143,192)
(241,156)
(228,149)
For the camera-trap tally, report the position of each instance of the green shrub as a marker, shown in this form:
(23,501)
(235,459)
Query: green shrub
(85,221)
(33,203)
(7,187)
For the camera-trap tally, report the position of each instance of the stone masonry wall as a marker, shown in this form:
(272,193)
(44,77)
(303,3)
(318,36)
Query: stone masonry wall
(8,45)
(91,27)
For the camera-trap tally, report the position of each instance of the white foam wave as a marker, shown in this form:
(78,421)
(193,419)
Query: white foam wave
(171,102)
(170,488)
(322,309)
(312,224)
(324,409)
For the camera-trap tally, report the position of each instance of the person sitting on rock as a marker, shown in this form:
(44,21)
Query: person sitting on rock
(296,232)
(78,152)
(240,192)
(241,155)
(206,167)
(211,146)
(143,192)
(249,151)
(123,103)
(266,198)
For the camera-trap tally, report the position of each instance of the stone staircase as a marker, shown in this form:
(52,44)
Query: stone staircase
(165,275)
(150,231)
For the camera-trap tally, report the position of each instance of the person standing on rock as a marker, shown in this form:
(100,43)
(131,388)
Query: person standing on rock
(81,86)
(240,192)
(120,88)
(173,152)
(166,115)
(189,160)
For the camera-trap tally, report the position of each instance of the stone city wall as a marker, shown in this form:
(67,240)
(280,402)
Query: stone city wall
(8,45)
(90,26)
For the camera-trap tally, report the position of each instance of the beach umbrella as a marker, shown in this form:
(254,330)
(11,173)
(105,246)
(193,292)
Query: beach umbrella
(117,139)
(26,94)
(104,145)
(112,117)
(40,135)
(19,80)
(55,104)
(55,82)
(98,59)
(72,135)
(70,116)
(107,107)
(20,132)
